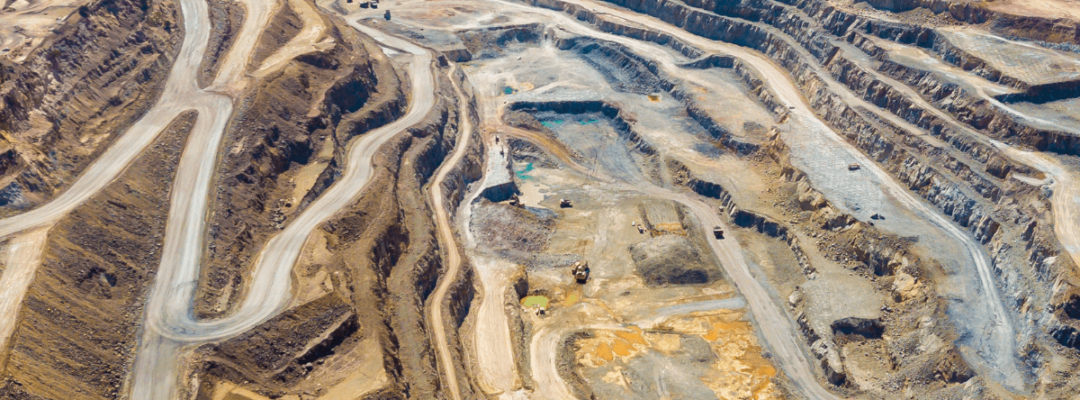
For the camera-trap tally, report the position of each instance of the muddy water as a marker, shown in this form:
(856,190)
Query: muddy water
(594,136)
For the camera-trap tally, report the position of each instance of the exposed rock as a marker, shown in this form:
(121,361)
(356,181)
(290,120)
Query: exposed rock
(77,332)
(78,91)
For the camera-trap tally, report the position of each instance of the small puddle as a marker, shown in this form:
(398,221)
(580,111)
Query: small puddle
(532,301)
(508,90)
(552,123)
(524,174)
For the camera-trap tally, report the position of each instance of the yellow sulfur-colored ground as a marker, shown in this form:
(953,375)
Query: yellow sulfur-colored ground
(606,345)
(745,374)
(740,372)
(230,391)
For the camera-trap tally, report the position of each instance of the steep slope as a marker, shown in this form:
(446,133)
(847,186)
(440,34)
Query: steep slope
(65,103)
(76,333)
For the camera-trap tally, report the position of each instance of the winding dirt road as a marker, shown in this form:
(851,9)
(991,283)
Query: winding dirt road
(999,339)
(492,343)
(170,324)
(447,241)
(312,37)
(181,94)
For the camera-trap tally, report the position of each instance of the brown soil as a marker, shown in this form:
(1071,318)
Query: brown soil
(226,19)
(62,106)
(282,28)
(278,137)
(78,328)
(381,260)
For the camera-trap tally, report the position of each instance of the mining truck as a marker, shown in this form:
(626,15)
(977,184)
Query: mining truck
(580,269)
(565,203)
(718,232)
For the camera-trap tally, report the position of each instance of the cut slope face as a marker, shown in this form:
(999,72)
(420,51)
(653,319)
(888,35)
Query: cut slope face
(539,199)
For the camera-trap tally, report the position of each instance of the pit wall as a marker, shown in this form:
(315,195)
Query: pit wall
(1051,30)
(77,331)
(60,94)
(595,106)
(384,263)
(279,127)
(681,175)
(620,55)
(883,256)
(965,107)
(912,167)
(491,42)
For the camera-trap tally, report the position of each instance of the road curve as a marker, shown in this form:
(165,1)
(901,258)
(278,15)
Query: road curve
(1001,336)
(447,240)
(170,325)
(776,326)
(180,94)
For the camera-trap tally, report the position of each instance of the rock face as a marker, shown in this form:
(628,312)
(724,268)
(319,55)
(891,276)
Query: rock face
(967,180)
(77,332)
(286,145)
(954,181)
(66,102)
(866,328)
(373,267)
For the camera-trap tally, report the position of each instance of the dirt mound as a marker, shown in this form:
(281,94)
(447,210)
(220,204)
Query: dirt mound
(500,226)
(672,259)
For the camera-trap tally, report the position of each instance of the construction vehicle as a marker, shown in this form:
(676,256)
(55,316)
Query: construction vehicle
(565,203)
(580,269)
(854,167)
(718,232)
(516,201)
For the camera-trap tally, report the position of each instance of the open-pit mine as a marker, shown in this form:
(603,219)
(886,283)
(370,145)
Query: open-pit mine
(539,199)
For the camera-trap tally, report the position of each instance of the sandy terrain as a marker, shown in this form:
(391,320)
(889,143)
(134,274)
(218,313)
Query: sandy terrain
(1068,9)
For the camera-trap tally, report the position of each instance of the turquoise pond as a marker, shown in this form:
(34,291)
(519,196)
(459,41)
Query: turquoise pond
(523,174)
(552,123)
